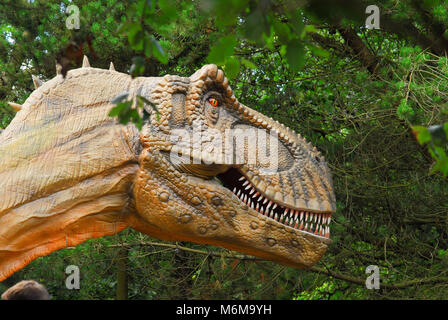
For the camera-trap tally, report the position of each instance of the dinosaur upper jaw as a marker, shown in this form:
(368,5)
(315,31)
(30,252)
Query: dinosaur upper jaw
(303,220)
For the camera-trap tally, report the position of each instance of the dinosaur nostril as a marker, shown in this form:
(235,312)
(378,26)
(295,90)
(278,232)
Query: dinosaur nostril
(216,201)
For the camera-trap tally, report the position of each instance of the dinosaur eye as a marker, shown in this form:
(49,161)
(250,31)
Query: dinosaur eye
(213,102)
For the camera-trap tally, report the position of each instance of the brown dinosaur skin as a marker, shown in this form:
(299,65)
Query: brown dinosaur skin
(69,172)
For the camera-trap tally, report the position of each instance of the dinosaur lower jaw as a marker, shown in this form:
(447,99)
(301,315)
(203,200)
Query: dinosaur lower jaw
(315,223)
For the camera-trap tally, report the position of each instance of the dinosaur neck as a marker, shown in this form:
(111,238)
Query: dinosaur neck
(66,169)
(93,208)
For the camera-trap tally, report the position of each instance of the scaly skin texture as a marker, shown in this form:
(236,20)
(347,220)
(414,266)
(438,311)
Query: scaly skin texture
(69,172)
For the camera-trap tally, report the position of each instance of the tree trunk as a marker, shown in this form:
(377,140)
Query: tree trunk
(122,277)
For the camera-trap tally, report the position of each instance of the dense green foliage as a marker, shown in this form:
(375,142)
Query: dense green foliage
(365,98)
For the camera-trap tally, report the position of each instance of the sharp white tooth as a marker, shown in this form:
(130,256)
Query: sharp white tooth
(311,227)
(287,210)
(242,178)
(276,217)
(249,186)
(306,226)
(271,214)
(234,190)
(244,198)
(269,205)
(239,193)
(257,193)
(275,206)
(291,222)
(301,215)
(306,216)
(315,217)
(261,210)
(258,206)
(265,200)
(252,191)
(288,220)
(245,183)
(329,220)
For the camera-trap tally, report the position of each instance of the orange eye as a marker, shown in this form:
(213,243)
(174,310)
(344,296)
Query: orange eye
(214,102)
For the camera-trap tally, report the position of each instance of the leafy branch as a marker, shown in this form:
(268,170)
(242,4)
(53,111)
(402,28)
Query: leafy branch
(127,109)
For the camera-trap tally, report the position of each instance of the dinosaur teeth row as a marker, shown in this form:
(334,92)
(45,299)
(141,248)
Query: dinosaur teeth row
(311,222)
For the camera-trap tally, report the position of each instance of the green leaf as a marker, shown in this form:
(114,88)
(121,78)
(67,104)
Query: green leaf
(441,164)
(295,55)
(135,36)
(158,52)
(137,67)
(255,26)
(318,51)
(142,101)
(282,31)
(248,63)
(115,111)
(310,28)
(232,67)
(168,8)
(422,134)
(223,49)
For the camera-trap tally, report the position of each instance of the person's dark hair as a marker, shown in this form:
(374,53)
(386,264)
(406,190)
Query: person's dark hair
(26,290)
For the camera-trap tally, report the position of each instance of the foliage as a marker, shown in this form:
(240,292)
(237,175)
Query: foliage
(365,98)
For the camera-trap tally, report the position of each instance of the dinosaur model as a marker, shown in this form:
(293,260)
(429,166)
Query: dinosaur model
(69,172)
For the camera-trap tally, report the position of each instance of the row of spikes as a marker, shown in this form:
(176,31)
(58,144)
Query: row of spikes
(38,82)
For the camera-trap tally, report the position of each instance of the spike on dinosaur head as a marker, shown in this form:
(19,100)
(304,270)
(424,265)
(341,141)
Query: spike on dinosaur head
(17,107)
(85,62)
(36,81)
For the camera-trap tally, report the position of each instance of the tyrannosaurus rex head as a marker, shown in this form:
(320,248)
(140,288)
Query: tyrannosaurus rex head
(218,172)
